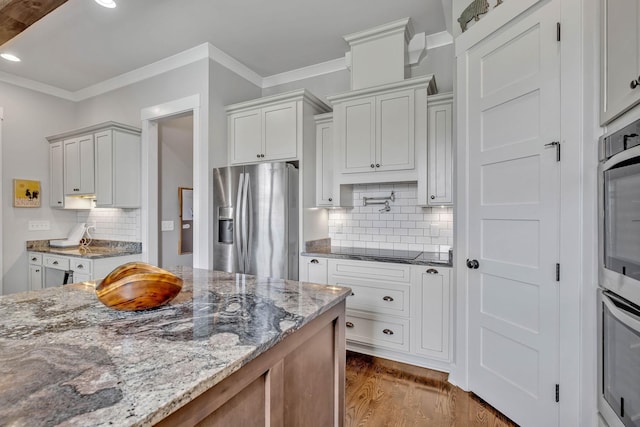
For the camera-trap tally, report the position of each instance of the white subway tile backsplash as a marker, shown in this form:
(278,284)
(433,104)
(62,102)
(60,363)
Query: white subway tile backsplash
(113,224)
(406,226)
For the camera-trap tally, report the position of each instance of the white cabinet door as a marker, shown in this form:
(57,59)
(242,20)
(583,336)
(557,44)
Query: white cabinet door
(118,159)
(279,132)
(35,277)
(245,134)
(56,175)
(79,166)
(313,270)
(358,135)
(440,155)
(395,131)
(432,319)
(324,164)
(620,57)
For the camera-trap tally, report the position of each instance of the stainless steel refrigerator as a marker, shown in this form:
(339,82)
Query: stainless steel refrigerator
(256,220)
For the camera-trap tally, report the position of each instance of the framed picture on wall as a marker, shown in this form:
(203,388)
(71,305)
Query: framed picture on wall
(26,193)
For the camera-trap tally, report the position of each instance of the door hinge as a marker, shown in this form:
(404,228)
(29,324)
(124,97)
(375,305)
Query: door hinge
(557,145)
(557,272)
(557,393)
(558,31)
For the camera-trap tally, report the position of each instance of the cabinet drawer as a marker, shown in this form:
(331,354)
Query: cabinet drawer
(79,265)
(387,272)
(35,258)
(59,263)
(380,332)
(378,298)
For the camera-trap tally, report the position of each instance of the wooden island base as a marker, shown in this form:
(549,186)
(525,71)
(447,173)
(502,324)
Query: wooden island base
(299,382)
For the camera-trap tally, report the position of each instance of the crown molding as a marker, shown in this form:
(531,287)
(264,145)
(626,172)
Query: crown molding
(315,70)
(234,65)
(14,80)
(436,40)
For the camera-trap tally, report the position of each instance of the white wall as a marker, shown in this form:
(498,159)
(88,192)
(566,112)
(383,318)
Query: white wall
(28,118)
(175,139)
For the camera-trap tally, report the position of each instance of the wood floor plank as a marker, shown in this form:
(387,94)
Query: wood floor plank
(384,393)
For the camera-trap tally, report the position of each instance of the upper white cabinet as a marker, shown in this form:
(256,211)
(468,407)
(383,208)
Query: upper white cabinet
(79,176)
(269,128)
(440,150)
(380,133)
(620,72)
(101,162)
(324,160)
(117,169)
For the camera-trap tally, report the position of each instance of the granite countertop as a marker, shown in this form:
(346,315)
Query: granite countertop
(381,255)
(97,249)
(67,359)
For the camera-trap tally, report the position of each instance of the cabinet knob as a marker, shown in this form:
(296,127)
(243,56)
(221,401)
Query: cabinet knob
(55,263)
(38,271)
(349,325)
(634,84)
(330,199)
(34,259)
(432,271)
(261,155)
(473,264)
(80,267)
(314,261)
(387,331)
(377,165)
(59,202)
(433,197)
(387,298)
(258,155)
(372,166)
(352,294)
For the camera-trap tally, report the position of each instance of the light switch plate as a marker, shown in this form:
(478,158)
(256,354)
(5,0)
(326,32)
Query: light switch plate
(167,226)
(41,225)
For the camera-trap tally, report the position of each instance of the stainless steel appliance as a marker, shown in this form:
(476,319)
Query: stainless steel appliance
(619,276)
(256,220)
(619,195)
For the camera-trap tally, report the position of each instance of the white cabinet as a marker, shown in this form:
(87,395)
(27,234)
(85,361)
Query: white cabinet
(269,128)
(432,307)
(620,70)
(118,162)
(440,150)
(379,132)
(313,270)
(324,160)
(35,271)
(79,172)
(101,162)
(56,175)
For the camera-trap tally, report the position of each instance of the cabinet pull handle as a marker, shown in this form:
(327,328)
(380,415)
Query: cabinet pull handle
(55,262)
(349,325)
(432,271)
(80,266)
(387,298)
(314,261)
(38,271)
(377,165)
(258,155)
(59,202)
(387,331)
(372,166)
(261,155)
(34,259)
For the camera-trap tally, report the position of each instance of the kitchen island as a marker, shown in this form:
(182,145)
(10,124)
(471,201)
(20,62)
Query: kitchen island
(230,349)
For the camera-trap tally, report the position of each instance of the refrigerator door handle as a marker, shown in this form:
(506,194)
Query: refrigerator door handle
(245,221)
(238,222)
(249,229)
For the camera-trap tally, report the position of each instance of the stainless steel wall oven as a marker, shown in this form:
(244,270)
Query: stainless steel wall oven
(619,277)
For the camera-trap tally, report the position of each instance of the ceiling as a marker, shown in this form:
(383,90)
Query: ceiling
(81,43)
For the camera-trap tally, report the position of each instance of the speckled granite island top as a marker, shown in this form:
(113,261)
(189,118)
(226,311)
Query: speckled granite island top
(65,359)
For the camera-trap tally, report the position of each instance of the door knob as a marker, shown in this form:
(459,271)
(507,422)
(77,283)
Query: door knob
(473,264)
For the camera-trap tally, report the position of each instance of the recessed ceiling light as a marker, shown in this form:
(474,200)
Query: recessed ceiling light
(107,3)
(10,57)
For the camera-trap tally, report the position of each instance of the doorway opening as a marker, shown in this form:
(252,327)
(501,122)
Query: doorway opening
(175,190)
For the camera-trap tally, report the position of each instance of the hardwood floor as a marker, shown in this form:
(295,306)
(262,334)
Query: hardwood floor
(382,392)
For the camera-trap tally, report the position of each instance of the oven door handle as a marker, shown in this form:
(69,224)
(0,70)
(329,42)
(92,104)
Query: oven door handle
(621,315)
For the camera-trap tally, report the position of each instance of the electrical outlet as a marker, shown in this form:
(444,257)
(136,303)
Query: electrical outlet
(41,225)
(167,226)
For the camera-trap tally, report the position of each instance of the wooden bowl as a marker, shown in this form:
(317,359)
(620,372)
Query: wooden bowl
(138,286)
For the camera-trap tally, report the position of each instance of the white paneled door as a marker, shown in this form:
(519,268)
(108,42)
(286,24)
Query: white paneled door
(513,107)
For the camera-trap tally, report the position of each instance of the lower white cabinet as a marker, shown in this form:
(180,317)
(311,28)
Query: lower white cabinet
(35,277)
(397,311)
